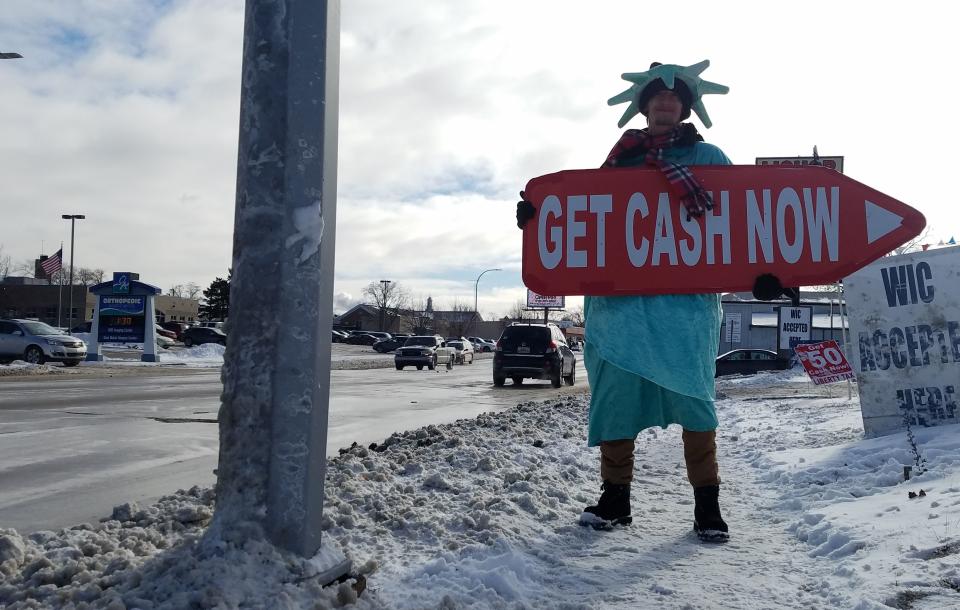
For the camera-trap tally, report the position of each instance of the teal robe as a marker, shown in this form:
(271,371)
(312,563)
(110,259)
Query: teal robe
(650,359)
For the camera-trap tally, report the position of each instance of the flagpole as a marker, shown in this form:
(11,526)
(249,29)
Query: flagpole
(60,293)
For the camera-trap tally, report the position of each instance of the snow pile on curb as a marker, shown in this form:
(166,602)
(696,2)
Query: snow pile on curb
(206,354)
(481,513)
(19,367)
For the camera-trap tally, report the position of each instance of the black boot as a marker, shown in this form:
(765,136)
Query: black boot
(707,522)
(613,508)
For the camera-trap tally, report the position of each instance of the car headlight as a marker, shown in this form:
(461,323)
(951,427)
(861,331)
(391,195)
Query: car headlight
(53,342)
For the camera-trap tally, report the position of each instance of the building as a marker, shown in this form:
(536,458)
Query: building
(749,323)
(428,321)
(27,297)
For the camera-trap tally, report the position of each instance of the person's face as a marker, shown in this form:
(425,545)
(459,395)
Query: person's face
(663,111)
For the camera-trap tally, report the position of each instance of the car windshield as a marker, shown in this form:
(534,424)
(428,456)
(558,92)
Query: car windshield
(456,344)
(421,341)
(39,328)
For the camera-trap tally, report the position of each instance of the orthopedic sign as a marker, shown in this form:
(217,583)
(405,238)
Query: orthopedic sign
(904,314)
(619,231)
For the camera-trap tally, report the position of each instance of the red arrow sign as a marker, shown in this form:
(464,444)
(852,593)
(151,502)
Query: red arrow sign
(623,231)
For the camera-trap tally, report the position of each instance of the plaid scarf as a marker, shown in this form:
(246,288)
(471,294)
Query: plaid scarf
(638,145)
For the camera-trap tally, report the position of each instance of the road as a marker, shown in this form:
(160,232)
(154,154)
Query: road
(73,447)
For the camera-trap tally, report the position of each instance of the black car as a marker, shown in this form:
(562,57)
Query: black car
(198,335)
(749,361)
(361,339)
(388,345)
(533,351)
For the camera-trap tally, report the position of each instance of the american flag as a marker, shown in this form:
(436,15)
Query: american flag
(53,263)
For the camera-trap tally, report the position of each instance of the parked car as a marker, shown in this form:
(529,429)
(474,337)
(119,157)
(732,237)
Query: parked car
(163,332)
(388,345)
(176,328)
(164,341)
(419,351)
(483,345)
(36,343)
(84,327)
(198,335)
(361,339)
(464,351)
(533,351)
(338,336)
(749,361)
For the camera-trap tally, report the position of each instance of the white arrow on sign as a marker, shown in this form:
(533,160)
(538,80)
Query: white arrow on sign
(880,221)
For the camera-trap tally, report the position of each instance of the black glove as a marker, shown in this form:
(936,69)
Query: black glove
(767,287)
(525,210)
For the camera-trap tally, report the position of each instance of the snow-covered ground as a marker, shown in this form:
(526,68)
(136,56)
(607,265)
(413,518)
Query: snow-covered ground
(482,513)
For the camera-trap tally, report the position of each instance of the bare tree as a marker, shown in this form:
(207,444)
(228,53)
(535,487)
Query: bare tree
(192,291)
(5,264)
(576,316)
(389,298)
(88,277)
(914,244)
(460,319)
(421,321)
(519,311)
(176,291)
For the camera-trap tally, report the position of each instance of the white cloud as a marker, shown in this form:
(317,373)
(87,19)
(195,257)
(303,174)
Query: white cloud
(128,112)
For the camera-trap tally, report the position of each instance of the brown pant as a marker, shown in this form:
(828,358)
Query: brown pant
(699,451)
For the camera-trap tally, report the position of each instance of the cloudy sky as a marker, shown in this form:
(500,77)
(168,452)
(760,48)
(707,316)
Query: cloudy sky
(127,111)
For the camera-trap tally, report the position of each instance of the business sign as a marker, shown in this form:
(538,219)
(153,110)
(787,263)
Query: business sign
(540,301)
(731,324)
(824,362)
(615,231)
(121,282)
(834,163)
(793,326)
(904,316)
(122,319)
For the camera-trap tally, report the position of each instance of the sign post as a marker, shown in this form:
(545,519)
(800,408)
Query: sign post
(904,315)
(273,419)
(124,313)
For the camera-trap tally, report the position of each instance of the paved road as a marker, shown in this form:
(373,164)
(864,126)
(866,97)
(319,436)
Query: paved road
(74,447)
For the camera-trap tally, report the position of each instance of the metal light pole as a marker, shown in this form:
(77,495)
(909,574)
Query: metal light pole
(476,288)
(72,218)
(383,305)
(276,386)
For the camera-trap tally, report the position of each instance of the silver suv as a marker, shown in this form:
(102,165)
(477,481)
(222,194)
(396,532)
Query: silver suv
(37,343)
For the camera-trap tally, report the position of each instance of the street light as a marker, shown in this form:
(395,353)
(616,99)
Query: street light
(72,218)
(476,288)
(383,304)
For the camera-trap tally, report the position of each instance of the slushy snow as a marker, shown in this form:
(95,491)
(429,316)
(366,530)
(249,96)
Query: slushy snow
(482,513)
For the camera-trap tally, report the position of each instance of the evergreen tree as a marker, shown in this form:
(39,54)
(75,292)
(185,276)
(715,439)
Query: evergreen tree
(216,299)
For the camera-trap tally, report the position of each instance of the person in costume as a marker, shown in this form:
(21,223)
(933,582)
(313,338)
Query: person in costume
(651,359)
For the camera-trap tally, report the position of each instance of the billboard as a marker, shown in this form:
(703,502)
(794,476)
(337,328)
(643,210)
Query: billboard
(904,315)
(539,301)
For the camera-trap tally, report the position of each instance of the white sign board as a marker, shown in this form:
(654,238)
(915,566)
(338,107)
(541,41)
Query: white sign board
(834,163)
(904,314)
(793,324)
(540,301)
(732,326)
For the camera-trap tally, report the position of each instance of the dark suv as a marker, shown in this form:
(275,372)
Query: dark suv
(535,351)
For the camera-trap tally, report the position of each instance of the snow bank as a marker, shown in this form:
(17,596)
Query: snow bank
(19,367)
(482,513)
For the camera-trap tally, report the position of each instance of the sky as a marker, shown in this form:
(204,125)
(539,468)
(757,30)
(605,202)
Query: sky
(127,112)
